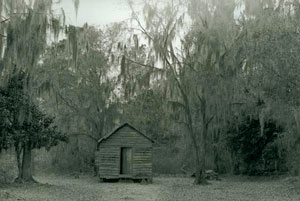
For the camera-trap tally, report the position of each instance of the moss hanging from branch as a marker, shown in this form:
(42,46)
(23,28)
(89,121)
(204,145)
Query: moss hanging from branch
(26,27)
(56,28)
(72,39)
(123,67)
(76,4)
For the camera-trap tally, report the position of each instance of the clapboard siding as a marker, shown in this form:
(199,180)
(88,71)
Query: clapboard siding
(108,157)
(108,160)
(142,161)
(129,139)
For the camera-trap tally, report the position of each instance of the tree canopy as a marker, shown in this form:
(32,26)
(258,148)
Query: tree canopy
(216,77)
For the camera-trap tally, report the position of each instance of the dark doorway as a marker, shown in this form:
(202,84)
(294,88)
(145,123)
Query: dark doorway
(126,161)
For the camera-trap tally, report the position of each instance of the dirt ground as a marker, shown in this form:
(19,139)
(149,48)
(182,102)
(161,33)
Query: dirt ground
(87,188)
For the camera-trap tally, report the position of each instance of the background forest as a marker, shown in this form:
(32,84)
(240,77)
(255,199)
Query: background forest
(216,85)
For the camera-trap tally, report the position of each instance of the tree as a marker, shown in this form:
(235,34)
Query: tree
(82,96)
(192,67)
(25,31)
(148,112)
(268,56)
(25,127)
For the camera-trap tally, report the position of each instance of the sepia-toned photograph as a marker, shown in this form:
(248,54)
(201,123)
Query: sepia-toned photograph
(149,100)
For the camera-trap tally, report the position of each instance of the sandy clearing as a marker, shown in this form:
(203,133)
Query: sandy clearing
(58,188)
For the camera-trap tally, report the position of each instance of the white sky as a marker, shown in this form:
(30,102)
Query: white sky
(96,12)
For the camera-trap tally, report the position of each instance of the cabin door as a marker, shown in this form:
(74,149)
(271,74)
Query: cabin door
(126,161)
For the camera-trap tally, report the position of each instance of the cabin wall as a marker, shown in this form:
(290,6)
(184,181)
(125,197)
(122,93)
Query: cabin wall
(108,161)
(108,156)
(142,162)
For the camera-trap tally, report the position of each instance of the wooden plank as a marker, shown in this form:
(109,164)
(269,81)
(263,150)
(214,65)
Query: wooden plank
(108,156)
(126,137)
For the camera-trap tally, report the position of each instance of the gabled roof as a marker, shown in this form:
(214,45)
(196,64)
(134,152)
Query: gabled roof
(118,128)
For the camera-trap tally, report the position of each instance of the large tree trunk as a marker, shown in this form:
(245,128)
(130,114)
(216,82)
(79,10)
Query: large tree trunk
(26,173)
(19,149)
(201,149)
(202,158)
(200,166)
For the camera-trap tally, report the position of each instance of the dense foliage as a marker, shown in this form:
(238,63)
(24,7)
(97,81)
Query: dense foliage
(185,94)
(23,125)
(254,149)
(188,73)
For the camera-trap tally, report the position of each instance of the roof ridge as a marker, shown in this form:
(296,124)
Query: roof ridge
(121,126)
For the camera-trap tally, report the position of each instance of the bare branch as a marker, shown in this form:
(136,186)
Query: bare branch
(68,102)
(145,65)
(140,25)
(200,99)
(177,103)
(143,29)
(211,118)
(5,19)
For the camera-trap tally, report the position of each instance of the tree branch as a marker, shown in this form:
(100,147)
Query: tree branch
(177,103)
(211,118)
(200,99)
(68,103)
(5,19)
(182,122)
(145,65)
(143,29)
(86,135)
(140,25)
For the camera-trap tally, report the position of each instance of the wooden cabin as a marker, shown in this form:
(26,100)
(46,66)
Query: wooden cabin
(125,153)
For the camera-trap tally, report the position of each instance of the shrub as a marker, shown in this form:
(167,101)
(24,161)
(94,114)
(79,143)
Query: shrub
(255,151)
